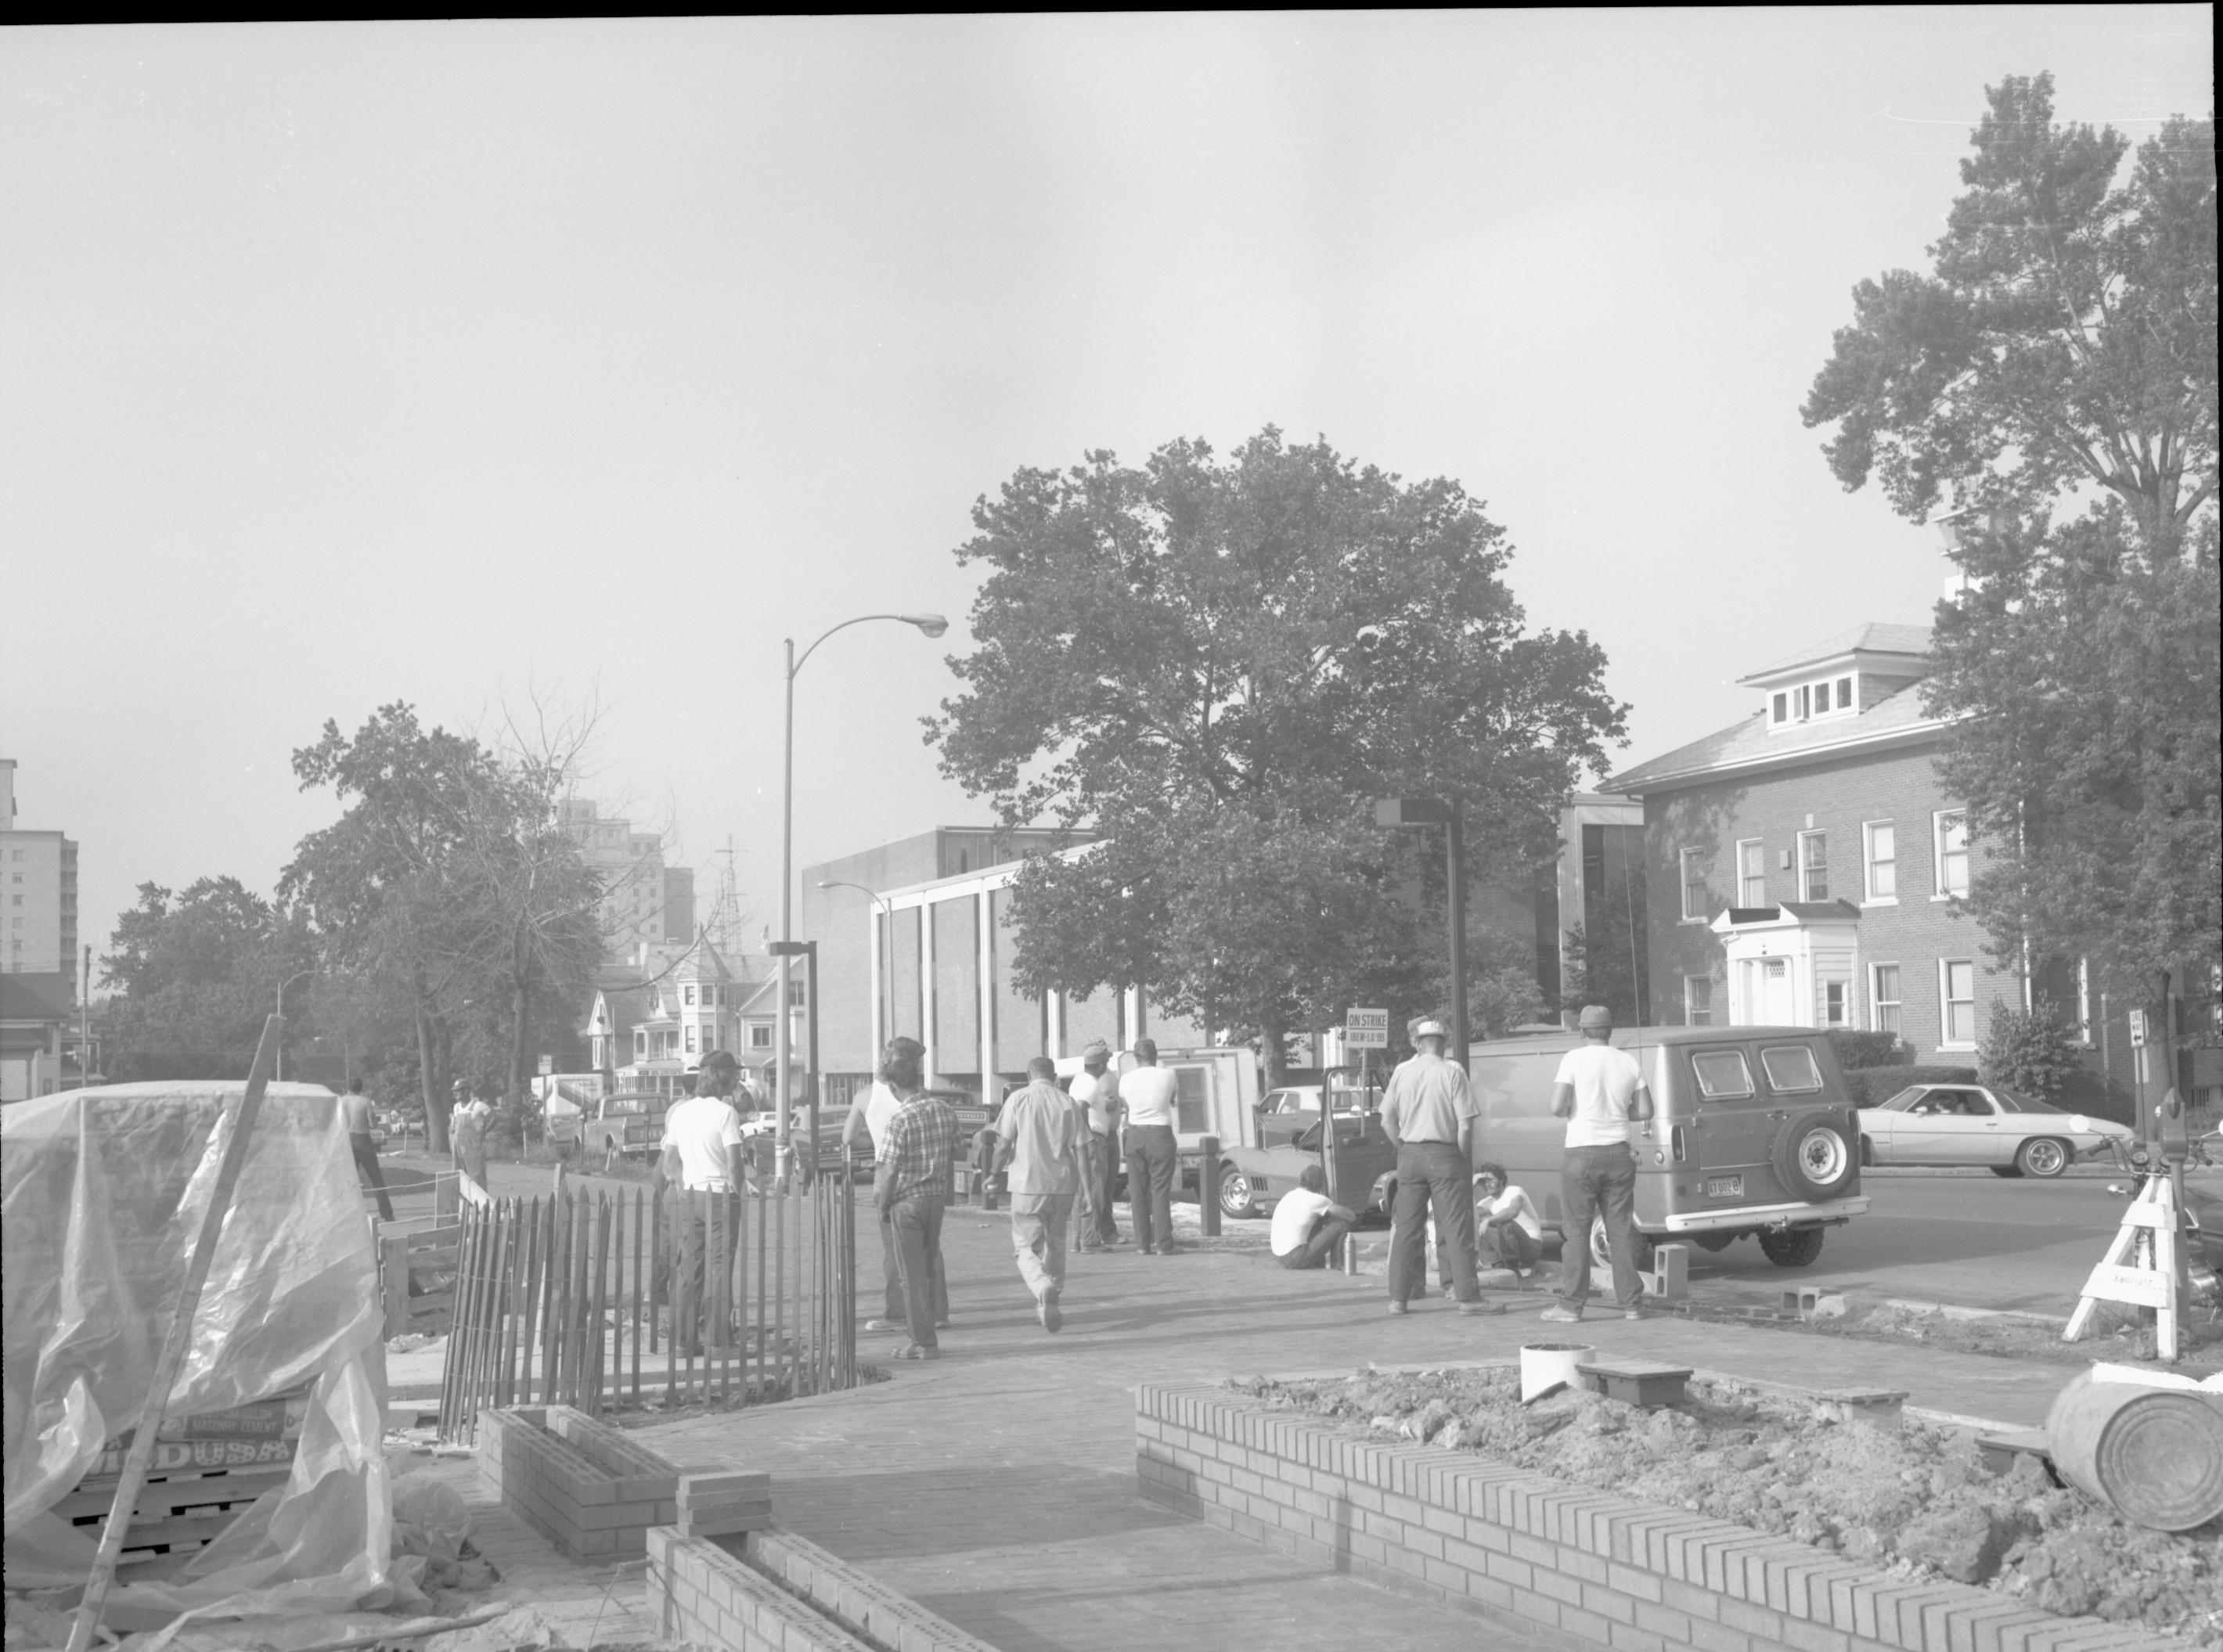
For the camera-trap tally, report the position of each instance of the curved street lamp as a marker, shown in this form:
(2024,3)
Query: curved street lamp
(932,624)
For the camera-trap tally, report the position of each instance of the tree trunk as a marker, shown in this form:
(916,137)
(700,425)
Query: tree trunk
(520,1004)
(431,1080)
(1273,1038)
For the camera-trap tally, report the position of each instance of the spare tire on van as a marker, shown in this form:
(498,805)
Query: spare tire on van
(1814,1157)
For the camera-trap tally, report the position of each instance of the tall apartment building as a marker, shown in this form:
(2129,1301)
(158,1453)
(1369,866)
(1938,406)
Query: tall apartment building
(37,896)
(643,900)
(38,953)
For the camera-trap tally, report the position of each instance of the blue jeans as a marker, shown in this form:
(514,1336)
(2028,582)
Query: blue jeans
(1593,1179)
(1432,1173)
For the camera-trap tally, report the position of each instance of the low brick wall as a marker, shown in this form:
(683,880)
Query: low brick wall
(770,1589)
(579,1483)
(1559,1562)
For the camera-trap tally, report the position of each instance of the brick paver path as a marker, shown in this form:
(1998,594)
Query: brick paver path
(996,1487)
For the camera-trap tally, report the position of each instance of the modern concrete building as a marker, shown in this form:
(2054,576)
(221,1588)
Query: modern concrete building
(644,901)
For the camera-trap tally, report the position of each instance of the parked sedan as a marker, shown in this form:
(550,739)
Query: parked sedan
(1979,1124)
(1287,1113)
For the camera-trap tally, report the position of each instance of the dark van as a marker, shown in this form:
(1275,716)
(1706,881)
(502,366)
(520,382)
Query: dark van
(1752,1135)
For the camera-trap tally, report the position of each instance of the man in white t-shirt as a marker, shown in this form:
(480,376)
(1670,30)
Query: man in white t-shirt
(701,1157)
(1095,1089)
(1598,1091)
(1508,1231)
(868,1119)
(1147,1094)
(1307,1226)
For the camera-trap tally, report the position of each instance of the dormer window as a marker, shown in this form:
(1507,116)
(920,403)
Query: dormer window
(1809,701)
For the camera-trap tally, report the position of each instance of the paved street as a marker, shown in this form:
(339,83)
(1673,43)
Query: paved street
(1963,1237)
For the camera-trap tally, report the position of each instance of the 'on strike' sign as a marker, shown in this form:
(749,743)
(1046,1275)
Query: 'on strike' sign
(1366,1029)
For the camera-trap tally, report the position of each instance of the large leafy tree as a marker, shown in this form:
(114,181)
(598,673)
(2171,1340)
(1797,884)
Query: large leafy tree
(196,971)
(2054,377)
(1216,665)
(449,886)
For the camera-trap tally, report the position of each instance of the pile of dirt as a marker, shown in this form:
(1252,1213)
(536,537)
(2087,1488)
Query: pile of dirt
(1918,1502)
(2117,1332)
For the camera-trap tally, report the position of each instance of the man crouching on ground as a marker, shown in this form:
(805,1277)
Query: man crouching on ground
(1041,1130)
(1307,1227)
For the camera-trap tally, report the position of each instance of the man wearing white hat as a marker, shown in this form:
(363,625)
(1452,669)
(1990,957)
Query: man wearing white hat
(1429,1111)
(1599,1089)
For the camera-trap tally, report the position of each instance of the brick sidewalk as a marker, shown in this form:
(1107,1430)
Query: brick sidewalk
(996,1487)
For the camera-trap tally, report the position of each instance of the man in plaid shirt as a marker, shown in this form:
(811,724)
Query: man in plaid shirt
(912,1188)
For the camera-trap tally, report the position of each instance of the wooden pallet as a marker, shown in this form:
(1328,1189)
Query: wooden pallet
(175,1512)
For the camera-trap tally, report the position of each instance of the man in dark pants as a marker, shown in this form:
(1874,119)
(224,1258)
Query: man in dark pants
(1429,1111)
(1147,1094)
(1599,1089)
(1307,1226)
(355,1110)
(912,1188)
(1095,1089)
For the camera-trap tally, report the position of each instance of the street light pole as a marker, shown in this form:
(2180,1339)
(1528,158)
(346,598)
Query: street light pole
(932,624)
(1432,811)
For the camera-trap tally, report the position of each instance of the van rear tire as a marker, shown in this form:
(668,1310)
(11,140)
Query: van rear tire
(1793,1247)
(1814,1158)
(1601,1252)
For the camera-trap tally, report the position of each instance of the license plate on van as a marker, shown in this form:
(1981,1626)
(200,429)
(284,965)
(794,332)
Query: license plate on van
(1725,1187)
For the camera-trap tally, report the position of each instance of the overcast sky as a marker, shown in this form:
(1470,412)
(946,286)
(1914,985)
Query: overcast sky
(450,362)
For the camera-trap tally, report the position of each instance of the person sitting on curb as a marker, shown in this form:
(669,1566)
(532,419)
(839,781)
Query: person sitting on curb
(1599,1089)
(1508,1231)
(1307,1228)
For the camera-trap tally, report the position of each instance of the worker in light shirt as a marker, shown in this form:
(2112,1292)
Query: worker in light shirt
(1599,1091)
(868,1119)
(1307,1225)
(1508,1231)
(1147,1094)
(1095,1089)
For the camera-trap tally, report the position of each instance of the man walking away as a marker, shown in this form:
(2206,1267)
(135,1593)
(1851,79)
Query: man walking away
(1307,1227)
(1041,1132)
(1428,1112)
(1599,1089)
(1508,1231)
(1147,1093)
(1094,1089)
(912,1188)
(355,1110)
(868,1120)
(700,1156)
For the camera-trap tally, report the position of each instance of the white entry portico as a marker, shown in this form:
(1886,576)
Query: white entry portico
(1793,964)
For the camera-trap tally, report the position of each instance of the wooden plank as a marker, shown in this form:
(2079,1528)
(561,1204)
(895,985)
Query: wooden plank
(2145,1287)
(159,1498)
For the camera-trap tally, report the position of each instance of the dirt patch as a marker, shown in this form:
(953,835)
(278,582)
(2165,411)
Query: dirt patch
(1916,1502)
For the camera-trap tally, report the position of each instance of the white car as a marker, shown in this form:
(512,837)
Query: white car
(1981,1124)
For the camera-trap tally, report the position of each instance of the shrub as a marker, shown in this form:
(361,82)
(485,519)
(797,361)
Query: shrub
(1858,1050)
(2028,1051)
(1873,1086)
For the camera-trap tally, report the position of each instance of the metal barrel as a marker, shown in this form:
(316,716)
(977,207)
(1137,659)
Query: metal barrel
(2155,1456)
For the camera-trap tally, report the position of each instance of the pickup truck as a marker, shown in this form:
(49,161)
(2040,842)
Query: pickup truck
(627,1125)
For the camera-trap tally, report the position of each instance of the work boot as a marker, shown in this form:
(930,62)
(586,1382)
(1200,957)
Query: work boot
(1396,1307)
(1559,1314)
(1051,1318)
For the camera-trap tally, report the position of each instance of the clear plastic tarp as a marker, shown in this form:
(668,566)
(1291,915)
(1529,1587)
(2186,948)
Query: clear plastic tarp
(104,1190)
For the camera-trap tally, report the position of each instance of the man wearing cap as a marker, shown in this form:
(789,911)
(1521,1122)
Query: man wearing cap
(1094,1088)
(1428,1112)
(1147,1093)
(1599,1089)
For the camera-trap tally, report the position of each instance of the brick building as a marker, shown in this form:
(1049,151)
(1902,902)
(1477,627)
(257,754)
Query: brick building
(1802,864)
